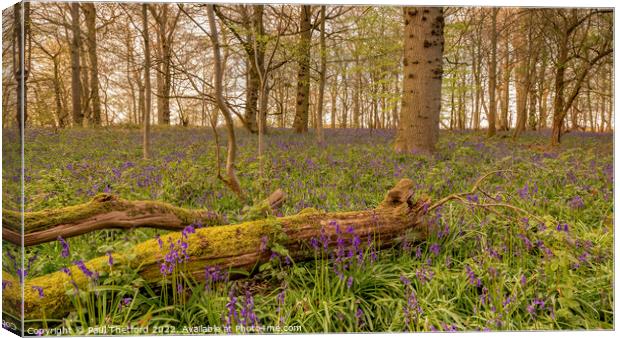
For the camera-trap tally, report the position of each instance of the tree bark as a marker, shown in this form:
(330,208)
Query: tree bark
(234,247)
(493,74)
(76,90)
(423,56)
(165,31)
(507,69)
(522,71)
(91,39)
(322,73)
(146,122)
(300,124)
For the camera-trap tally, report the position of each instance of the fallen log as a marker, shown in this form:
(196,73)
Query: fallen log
(240,246)
(107,211)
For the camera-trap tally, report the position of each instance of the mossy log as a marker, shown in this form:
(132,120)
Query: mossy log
(106,211)
(240,246)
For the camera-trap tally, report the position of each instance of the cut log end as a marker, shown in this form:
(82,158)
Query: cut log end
(276,199)
(399,195)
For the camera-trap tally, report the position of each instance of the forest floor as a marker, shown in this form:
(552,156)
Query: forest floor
(481,271)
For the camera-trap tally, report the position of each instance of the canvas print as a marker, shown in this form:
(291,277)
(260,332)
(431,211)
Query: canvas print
(229,168)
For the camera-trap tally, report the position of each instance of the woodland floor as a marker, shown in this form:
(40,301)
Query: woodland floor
(483,270)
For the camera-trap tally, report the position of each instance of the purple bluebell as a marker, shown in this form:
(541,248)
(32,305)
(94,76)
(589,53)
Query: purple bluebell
(65,247)
(110,259)
(80,264)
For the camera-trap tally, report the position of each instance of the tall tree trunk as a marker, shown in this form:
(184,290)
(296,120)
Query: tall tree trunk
(507,69)
(300,124)
(334,97)
(259,61)
(461,102)
(85,83)
(421,104)
(476,66)
(251,95)
(61,114)
(146,122)
(322,73)
(164,76)
(256,65)
(521,73)
(356,92)
(76,85)
(542,93)
(493,74)
(91,39)
(532,122)
(558,98)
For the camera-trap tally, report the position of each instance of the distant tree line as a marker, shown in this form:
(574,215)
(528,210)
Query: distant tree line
(310,67)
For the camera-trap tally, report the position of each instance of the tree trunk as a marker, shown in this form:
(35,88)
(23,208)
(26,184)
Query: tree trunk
(236,247)
(421,104)
(532,122)
(300,124)
(106,211)
(558,99)
(334,97)
(507,69)
(542,94)
(322,73)
(146,122)
(493,74)
(357,84)
(251,95)
(76,90)
(91,39)
(85,84)
(521,81)
(165,53)
(61,114)
(476,67)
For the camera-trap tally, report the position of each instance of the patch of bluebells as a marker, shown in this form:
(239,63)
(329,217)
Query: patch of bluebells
(214,275)
(412,309)
(232,316)
(248,316)
(424,275)
(93,276)
(576,202)
(65,248)
(177,251)
(348,251)
(280,299)
(537,307)
(562,227)
(110,258)
(527,192)
(471,277)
